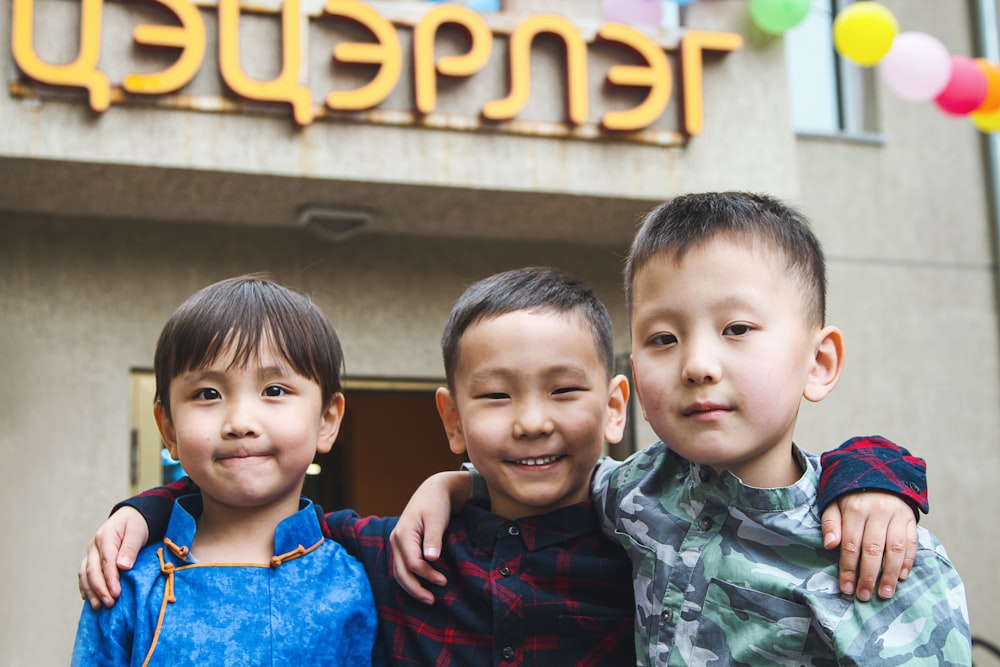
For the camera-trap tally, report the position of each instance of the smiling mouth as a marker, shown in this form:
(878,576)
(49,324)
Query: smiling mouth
(537,461)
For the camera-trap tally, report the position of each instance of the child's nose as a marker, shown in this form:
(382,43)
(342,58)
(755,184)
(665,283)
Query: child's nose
(532,421)
(240,421)
(700,366)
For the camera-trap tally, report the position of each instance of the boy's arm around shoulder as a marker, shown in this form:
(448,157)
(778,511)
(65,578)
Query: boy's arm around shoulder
(366,538)
(869,494)
(119,539)
(873,463)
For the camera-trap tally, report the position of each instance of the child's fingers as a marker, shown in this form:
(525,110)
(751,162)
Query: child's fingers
(92,579)
(900,553)
(408,564)
(852,536)
(87,592)
(872,550)
(848,537)
(831,526)
(135,532)
(114,546)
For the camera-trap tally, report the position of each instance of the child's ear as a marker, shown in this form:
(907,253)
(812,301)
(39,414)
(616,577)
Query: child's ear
(330,422)
(167,431)
(827,364)
(618,392)
(450,420)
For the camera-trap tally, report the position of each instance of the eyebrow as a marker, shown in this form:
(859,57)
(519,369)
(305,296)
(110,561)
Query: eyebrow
(571,372)
(737,300)
(209,374)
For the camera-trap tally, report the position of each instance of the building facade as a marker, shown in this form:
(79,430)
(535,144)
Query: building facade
(382,155)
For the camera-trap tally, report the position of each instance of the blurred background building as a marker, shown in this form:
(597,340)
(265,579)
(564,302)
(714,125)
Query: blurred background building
(137,166)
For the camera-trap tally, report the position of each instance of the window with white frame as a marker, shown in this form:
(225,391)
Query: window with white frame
(830,95)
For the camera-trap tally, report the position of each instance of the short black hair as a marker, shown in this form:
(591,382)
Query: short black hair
(243,312)
(749,218)
(535,288)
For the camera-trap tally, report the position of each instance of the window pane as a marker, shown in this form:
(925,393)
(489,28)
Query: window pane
(812,71)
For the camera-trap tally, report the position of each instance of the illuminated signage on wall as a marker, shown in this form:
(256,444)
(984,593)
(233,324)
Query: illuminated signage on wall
(646,67)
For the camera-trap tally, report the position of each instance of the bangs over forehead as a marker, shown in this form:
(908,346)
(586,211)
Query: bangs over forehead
(235,318)
(757,222)
(538,289)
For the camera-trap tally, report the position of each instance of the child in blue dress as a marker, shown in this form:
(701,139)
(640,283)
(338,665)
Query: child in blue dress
(248,390)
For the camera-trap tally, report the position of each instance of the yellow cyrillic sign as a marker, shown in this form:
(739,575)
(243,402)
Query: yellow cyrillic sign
(386,54)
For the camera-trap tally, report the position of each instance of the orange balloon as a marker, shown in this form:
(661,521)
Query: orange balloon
(992,100)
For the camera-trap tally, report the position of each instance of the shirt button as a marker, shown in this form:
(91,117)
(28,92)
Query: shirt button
(508,652)
(513,530)
(504,571)
(705,523)
(667,616)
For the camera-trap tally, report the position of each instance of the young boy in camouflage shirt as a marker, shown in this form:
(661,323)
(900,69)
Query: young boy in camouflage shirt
(726,298)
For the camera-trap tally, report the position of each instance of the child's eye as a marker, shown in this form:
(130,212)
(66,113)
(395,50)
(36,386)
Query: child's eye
(737,330)
(275,391)
(663,339)
(208,394)
(495,396)
(567,390)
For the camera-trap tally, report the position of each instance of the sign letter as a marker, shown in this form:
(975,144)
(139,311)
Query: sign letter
(189,37)
(655,75)
(692,45)
(424,67)
(386,53)
(520,69)
(82,72)
(286,87)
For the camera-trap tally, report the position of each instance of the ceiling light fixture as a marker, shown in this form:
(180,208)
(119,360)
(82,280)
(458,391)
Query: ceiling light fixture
(333,223)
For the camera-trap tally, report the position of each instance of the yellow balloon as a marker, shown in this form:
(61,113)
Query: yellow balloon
(986,121)
(863,32)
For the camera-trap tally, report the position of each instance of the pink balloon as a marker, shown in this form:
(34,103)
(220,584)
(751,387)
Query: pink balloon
(966,88)
(917,67)
(636,12)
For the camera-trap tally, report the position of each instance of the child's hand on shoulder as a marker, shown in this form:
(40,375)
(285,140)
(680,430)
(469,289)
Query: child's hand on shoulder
(416,540)
(875,530)
(115,545)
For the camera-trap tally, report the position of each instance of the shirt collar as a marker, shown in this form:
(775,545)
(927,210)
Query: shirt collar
(299,528)
(730,490)
(534,532)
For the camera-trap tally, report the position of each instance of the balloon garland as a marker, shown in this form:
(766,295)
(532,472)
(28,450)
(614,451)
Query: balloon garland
(915,66)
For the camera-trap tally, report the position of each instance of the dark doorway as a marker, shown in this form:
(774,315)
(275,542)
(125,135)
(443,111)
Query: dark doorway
(390,441)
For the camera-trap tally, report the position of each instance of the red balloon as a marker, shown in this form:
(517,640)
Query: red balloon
(966,88)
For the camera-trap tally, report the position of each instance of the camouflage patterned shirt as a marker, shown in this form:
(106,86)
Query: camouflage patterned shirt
(727,574)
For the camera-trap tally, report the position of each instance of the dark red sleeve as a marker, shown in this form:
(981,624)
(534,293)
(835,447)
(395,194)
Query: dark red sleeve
(156,504)
(873,463)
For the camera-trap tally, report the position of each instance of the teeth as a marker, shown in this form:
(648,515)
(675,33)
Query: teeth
(540,461)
